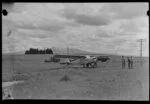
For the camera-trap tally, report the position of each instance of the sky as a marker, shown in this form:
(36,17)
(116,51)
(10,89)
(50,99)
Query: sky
(112,28)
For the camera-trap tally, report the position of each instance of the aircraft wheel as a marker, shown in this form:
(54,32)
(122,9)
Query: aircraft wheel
(87,65)
(93,65)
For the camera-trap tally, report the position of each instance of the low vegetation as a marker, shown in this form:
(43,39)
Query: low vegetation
(65,78)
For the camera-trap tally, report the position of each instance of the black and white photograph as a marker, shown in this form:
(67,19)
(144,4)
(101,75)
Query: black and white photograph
(75,51)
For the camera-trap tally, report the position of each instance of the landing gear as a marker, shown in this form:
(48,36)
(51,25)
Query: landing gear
(87,65)
(94,65)
(90,65)
(68,63)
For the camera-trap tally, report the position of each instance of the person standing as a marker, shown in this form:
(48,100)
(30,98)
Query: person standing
(129,63)
(123,62)
(68,61)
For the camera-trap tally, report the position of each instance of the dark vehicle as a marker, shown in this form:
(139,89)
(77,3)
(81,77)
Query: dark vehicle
(103,58)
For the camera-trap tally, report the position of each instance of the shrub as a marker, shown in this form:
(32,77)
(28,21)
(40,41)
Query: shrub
(65,78)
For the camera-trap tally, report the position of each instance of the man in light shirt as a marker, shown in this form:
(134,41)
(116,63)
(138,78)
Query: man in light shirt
(123,62)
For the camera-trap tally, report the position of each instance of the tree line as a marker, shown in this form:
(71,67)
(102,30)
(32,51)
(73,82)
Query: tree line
(37,51)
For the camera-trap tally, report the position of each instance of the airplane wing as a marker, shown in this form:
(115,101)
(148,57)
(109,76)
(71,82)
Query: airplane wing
(69,59)
(69,56)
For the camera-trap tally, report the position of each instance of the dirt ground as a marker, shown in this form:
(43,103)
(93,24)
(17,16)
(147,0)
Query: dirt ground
(54,81)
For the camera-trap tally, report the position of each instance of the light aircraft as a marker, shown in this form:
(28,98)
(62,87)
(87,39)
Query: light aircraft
(85,60)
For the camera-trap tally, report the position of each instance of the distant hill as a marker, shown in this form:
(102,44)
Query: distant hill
(14,53)
(57,50)
(71,51)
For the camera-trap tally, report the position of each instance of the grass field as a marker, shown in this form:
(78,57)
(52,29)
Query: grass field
(55,81)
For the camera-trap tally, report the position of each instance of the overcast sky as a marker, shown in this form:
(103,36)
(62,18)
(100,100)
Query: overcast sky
(96,27)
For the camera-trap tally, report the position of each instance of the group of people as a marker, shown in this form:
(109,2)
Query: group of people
(129,60)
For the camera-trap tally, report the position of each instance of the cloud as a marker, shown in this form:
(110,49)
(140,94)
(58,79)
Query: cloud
(129,27)
(98,27)
(126,10)
(97,20)
(103,34)
(126,27)
(91,20)
(45,26)
(36,33)
(119,41)
(38,16)
(113,43)
(30,23)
